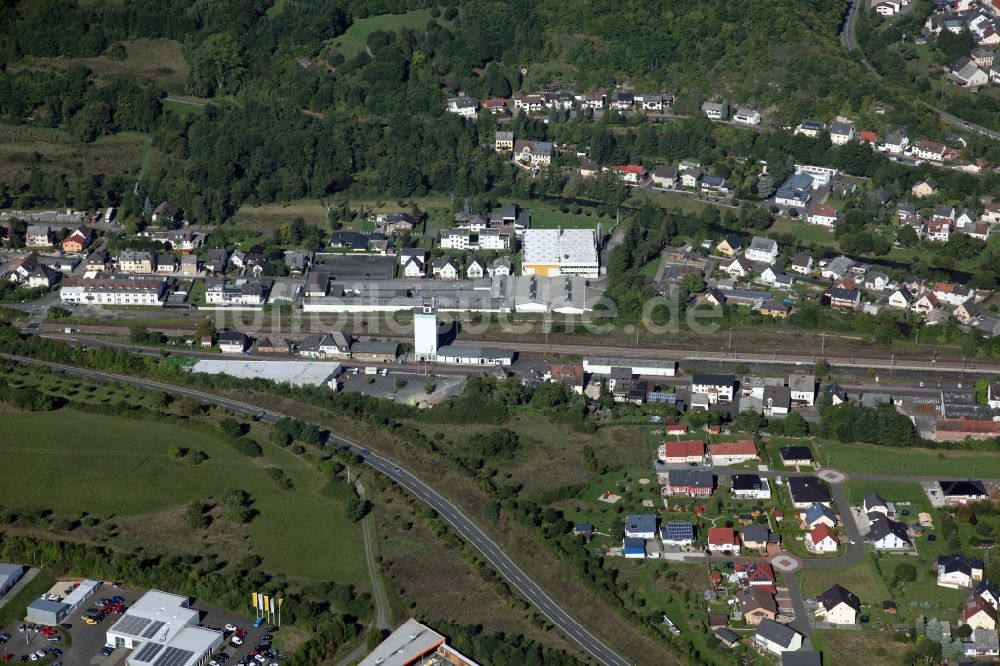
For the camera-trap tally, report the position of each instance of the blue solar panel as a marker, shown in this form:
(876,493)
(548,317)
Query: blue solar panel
(680,531)
(148,651)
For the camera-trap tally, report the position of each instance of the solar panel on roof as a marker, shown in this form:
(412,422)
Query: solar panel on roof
(148,651)
(679,530)
(174,657)
(131,625)
(153,629)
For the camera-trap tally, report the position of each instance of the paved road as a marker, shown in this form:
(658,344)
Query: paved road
(455,517)
(801,622)
(963,124)
(847,36)
(182,99)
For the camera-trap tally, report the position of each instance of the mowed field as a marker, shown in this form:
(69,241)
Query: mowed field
(73,462)
(159,60)
(355,39)
(866,458)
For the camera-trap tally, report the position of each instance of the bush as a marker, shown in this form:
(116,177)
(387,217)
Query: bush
(356,508)
(197,457)
(247,447)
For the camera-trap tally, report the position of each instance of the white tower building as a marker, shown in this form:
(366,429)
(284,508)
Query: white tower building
(425,333)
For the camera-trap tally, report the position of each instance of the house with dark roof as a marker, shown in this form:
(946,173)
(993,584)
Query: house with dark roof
(873,503)
(777,638)
(818,514)
(757,605)
(640,526)
(750,486)
(677,533)
(801,658)
(808,490)
(792,456)
(962,492)
(888,534)
(838,606)
(958,571)
(689,483)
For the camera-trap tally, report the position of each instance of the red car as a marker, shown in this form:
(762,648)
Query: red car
(48,631)
(7,658)
(241,633)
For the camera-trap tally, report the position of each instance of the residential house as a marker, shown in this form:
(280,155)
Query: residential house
(801,263)
(803,388)
(166,264)
(777,638)
(900,299)
(41,277)
(737,267)
(134,261)
(589,168)
(733,453)
(951,294)
(796,456)
(841,132)
(634,548)
(232,342)
(216,261)
(837,268)
(746,116)
(808,490)
(414,266)
(715,110)
(475,268)
(718,388)
(958,571)
(754,536)
(988,592)
(689,483)
(729,246)
(77,241)
(837,393)
(930,150)
(640,526)
(190,266)
(665,177)
(97,261)
(297,261)
(897,142)
(822,539)
(869,137)
(463,107)
(628,173)
(750,486)
(690,451)
(873,503)
(962,492)
(776,400)
(757,605)
(503,141)
(967,313)
(495,105)
(535,153)
(776,309)
(983,643)
(927,187)
(650,102)
(926,303)
(966,73)
(810,128)
(845,299)
(888,534)
(165,215)
(755,574)
(677,534)
(691,178)
(727,637)
(621,100)
(877,281)
(38,236)
(762,250)
(822,215)
(501,267)
(817,514)
(838,606)
(445,268)
(979,615)
(723,540)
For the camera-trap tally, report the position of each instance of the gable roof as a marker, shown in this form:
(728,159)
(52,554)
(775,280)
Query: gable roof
(873,501)
(642,522)
(754,598)
(816,511)
(796,453)
(776,633)
(721,536)
(686,448)
(821,532)
(968,488)
(882,527)
(838,595)
(690,478)
(747,482)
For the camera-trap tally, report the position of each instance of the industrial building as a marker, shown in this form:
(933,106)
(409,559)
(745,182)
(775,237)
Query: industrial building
(51,613)
(425,345)
(415,643)
(644,367)
(554,252)
(9,575)
(161,630)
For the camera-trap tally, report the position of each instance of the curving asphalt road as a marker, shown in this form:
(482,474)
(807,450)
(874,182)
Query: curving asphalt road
(455,517)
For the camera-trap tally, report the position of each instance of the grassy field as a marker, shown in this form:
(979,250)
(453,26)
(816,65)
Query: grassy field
(861,579)
(73,462)
(807,233)
(159,60)
(545,217)
(180,109)
(862,458)
(843,648)
(355,38)
(682,202)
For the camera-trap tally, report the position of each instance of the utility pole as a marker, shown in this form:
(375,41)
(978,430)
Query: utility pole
(730,339)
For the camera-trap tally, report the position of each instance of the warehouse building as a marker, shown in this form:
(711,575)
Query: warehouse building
(9,575)
(554,252)
(644,367)
(472,355)
(415,643)
(51,613)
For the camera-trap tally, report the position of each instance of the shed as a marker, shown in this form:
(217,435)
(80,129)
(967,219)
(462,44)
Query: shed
(43,611)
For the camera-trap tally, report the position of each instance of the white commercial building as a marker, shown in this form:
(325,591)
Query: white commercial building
(114,290)
(161,629)
(821,175)
(553,252)
(644,367)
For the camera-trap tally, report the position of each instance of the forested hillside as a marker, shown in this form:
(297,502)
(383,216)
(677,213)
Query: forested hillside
(292,116)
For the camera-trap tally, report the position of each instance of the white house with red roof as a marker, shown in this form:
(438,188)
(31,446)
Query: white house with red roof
(822,215)
(822,539)
(723,539)
(733,453)
(630,173)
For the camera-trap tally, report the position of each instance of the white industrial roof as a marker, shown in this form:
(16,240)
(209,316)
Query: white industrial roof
(81,592)
(299,373)
(187,648)
(156,616)
(408,642)
(559,246)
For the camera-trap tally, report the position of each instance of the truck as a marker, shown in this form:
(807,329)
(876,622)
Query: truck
(371,370)
(109,214)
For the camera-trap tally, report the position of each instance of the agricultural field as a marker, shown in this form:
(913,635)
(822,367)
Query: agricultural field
(158,60)
(82,463)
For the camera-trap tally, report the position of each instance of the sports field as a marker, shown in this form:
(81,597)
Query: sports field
(73,462)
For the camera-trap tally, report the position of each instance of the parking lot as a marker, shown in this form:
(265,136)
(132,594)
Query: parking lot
(405,386)
(82,643)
